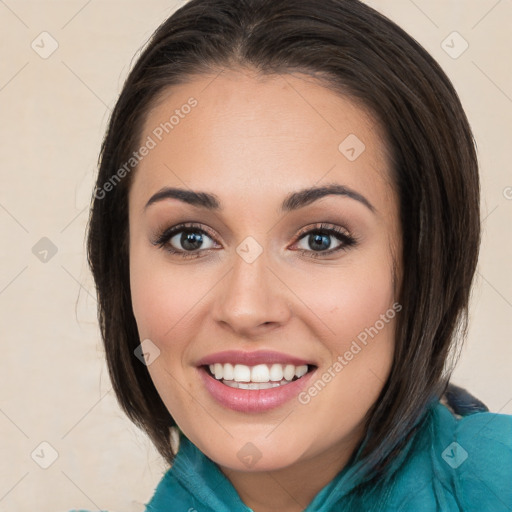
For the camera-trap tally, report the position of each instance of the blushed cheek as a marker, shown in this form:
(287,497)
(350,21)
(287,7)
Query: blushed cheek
(153,306)
(158,309)
(345,307)
(164,303)
(143,298)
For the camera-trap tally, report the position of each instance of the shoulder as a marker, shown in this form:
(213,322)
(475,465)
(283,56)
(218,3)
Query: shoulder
(482,455)
(472,458)
(482,437)
(455,464)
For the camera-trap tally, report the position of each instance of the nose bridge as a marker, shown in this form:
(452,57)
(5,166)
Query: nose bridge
(251,296)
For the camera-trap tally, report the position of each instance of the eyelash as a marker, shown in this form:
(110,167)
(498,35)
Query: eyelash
(348,241)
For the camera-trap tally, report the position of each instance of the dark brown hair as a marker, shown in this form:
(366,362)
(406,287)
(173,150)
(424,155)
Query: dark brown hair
(353,50)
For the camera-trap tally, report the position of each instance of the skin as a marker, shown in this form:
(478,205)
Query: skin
(251,141)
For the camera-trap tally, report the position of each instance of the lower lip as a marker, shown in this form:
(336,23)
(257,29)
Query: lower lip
(253,400)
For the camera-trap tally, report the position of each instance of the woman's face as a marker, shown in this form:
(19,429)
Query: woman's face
(270,281)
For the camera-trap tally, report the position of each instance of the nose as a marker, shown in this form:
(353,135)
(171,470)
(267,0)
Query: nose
(252,300)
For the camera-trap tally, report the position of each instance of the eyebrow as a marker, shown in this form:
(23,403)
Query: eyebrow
(293,201)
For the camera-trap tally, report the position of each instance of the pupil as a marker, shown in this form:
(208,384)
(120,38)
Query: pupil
(322,240)
(191,241)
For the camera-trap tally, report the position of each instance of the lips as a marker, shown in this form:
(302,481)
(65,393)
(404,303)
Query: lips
(254,381)
(251,358)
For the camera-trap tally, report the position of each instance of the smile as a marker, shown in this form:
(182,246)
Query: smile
(254,381)
(261,376)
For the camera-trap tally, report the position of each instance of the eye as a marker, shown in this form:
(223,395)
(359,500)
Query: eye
(190,240)
(186,240)
(319,241)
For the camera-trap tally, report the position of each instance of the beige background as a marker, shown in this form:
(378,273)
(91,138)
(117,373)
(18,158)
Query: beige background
(55,387)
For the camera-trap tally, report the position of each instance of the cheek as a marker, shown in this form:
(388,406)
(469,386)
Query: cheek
(350,300)
(360,312)
(151,305)
(163,304)
(163,298)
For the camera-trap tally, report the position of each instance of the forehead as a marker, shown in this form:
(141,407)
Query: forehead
(266,134)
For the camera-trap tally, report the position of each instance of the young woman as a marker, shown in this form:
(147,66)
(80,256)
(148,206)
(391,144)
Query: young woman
(283,236)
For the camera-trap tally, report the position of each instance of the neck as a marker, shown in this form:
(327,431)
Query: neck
(292,488)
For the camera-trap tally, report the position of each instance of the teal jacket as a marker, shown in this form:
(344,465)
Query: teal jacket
(451,464)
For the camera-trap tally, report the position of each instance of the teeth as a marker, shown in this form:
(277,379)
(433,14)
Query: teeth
(241,373)
(261,376)
(276,372)
(251,385)
(289,372)
(228,372)
(301,370)
(218,370)
(260,373)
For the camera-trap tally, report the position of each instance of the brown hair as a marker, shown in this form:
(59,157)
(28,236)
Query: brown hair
(361,54)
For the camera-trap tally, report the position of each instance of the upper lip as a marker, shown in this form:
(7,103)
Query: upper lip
(251,358)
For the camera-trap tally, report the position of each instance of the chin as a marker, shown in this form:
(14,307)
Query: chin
(255,452)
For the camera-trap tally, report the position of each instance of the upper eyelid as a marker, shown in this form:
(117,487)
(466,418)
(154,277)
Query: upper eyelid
(323,226)
(172,231)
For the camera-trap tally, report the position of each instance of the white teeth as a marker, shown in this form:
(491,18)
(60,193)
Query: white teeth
(301,370)
(229,373)
(289,372)
(218,370)
(258,375)
(251,385)
(276,372)
(241,373)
